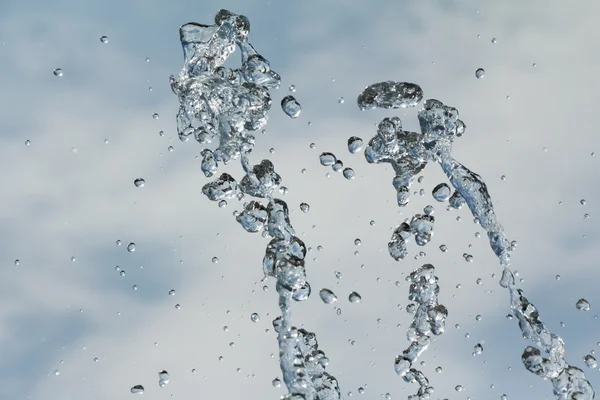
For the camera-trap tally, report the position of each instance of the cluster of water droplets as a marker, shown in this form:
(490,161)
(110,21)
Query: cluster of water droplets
(421,226)
(222,104)
(408,153)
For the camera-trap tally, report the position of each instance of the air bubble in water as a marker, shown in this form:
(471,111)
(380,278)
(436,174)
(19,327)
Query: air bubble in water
(255,317)
(327,296)
(349,173)
(163,378)
(58,72)
(441,192)
(327,159)
(137,389)
(291,107)
(354,297)
(304,207)
(139,182)
(131,247)
(583,305)
(104,39)
(480,73)
(355,144)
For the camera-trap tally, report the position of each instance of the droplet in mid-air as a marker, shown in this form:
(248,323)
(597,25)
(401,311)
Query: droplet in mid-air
(583,305)
(276,382)
(104,39)
(327,159)
(354,298)
(478,349)
(254,317)
(155,116)
(137,389)
(58,72)
(480,73)
(215,260)
(163,378)
(131,247)
(590,361)
(349,173)
(139,182)
(355,144)
(291,107)
(327,296)
(441,192)
(304,207)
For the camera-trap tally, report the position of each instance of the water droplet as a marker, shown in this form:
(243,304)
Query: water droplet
(441,192)
(137,389)
(338,274)
(17,262)
(276,382)
(58,72)
(443,248)
(215,260)
(438,369)
(177,306)
(327,159)
(480,73)
(163,378)
(583,202)
(327,296)
(222,203)
(131,247)
(349,173)
(341,100)
(354,297)
(304,207)
(172,292)
(337,166)
(478,349)
(255,317)
(590,361)
(104,39)
(139,182)
(355,144)
(494,41)
(583,305)
(291,107)
(503,177)
(155,116)
(458,388)
(292,88)
(27,142)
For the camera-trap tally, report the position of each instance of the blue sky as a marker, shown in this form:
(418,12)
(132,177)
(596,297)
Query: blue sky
(70,194)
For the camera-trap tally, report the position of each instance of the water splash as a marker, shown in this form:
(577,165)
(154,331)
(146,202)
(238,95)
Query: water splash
(221,105)
(409,153)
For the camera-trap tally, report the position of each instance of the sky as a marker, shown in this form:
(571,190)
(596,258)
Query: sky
(72,329)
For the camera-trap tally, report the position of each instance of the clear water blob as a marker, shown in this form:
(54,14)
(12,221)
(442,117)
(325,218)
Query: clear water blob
(441,192)
(390,94)
(27,142)
(583,305)
(494,40)
(304,207)
(276,382)
(163,378)
(354,298)
(253,218)
(215,260)
(254,317)
(58,72)
(131,247)
(137,389)
(292,88)
(209,163)
(225,187)
(155,116)
(477,349)
(172,292)
(355,144)
(341,100)
(139,182)
(337,166)
(104,39)
(349,173)
(480,73)
(291,107)
(327,159)
(327,296)
(590,361)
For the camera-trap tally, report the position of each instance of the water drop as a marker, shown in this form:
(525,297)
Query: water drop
(172,292)
(480,73)
(494,41)
(291,107)
(215,260)
(341,100)
(163,378)
(139,182)
(178,306)
(583,305)
(155,115)
(304,207)
(355,144)
(458,388)
(58,72)
(137,389)
(17,262)
(354,297)
(27,142)
(583,202)
(441,192)
(443,248)
(292,88)
(590,361)
(255,317)
(327,159)
(478,349)
(338,165)
(349,173)
(338,274)
(104,39)
(276,382)
(327,296)
(131,247)
(357,242)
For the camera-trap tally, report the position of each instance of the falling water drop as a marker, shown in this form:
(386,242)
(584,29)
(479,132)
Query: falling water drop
(327,296)
(58,72)
(349,173)
(327,159)
(139,182)
(255,317)
(304,207)
(131,247)
(583,305)
(104,39)
(355,144)
(291,107)
(441,192)
(590,361)
(137,389)
(354,297)
(163,378)
(480,73)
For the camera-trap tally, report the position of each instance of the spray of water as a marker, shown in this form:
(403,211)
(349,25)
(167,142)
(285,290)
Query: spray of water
(222,105)
(408,153)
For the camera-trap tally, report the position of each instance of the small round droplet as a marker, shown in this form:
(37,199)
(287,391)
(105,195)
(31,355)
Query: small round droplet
(341,100)
(354,297)
(215,260)
(139,182)
(178,306)
(155,116)
(222,203)
(327,159)
(58,72)
(583,305)
(590,361)
(255,317)
(441,192)
(478,349)
(349,173)
(27,142)
(292,88)
(163,378)
(131,247)
(338,274)
(494,40)
(276,382)
(583,202)
(355,144)
(327,296)
(480,73)
(304,207)
(458,388)
(137,389)
(172,292)
(104,39)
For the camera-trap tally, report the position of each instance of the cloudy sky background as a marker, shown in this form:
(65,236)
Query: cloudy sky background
(70,194)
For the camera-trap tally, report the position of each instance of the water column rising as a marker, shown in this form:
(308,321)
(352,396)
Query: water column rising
(222,105)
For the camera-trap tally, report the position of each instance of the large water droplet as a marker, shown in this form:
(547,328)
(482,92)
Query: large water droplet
(583,305)
(354,297)
(441,192)
(291,107)
(349,173)
(139,182)
(131,247)
(327,296)
(137,389)
(355,144)
(327,159)
(590,361)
